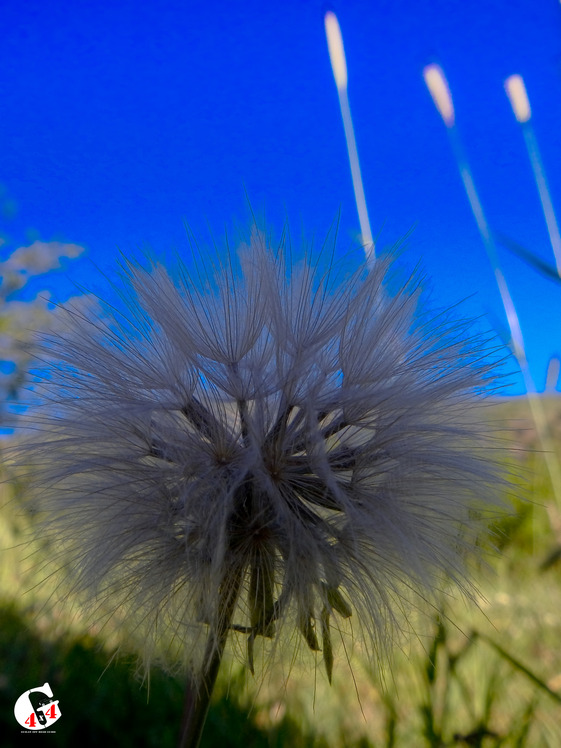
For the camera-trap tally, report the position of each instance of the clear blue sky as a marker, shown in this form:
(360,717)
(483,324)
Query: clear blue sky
(120,120)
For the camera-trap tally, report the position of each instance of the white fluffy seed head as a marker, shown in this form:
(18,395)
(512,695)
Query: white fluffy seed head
(308,443)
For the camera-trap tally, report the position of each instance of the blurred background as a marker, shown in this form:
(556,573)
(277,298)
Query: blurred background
(123,121)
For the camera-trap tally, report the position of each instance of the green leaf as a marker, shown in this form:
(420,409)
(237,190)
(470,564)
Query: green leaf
(338,602)
(306,626)
(327,646)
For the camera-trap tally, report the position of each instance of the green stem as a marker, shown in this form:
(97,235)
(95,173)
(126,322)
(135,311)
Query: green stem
(198,691)
(197,701)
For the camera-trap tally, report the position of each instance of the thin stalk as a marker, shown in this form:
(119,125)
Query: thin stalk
(516,92)
(198,691)
(339,67)
(438,87)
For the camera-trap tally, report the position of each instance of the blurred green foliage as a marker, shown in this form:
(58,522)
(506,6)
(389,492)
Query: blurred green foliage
(104,704)
(484,672)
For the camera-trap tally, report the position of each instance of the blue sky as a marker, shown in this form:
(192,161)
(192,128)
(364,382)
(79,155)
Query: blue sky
(122,120)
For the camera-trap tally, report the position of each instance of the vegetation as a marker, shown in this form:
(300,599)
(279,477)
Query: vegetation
(486,672)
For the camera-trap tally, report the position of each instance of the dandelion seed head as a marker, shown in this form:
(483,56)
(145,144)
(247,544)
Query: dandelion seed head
(263,447)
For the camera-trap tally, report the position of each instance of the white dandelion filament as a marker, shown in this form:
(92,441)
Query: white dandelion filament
(259,450)
(339,67)
(516,92)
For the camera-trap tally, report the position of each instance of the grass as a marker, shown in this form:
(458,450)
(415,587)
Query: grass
(477,675)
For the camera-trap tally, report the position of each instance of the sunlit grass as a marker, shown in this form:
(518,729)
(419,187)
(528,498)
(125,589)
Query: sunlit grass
(490,678)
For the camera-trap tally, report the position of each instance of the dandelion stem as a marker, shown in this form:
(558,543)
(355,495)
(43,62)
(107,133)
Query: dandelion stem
(198,692)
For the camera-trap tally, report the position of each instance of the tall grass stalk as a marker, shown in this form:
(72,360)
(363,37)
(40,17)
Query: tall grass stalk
(438,87)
